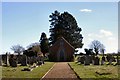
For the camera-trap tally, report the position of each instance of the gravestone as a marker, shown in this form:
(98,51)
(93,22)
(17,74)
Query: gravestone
(87,60)
(103,60)
(42,59)
(108,57)
(12,61)
(93,57)
(96,60)
(7,59)
(110,62)
(31,60)
(23,60)
(79,59)
(39,62)
(118,60)
(90,59)
(82,59)
(113,59)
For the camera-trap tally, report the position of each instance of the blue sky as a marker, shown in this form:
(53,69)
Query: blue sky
(59,0)
(23,23)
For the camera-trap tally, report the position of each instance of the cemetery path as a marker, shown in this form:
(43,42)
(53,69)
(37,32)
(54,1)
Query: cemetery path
(60,70)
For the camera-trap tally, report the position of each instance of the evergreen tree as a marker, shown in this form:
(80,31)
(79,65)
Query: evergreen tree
(44,43)
(65,25)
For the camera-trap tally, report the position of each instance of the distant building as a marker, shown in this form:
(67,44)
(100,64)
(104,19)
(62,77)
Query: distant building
(61,51)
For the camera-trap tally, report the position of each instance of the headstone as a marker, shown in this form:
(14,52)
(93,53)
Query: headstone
(12,61)
(82,59)
(108,57)
(113,59)
(19,59)
(110,62)
(39,62)
(23,60)
(96,60)
(87,60)
(78,59)
(42,59)
(90,59)
(31,61)
(118,60)
(103,60)
(7,59)
(93,57)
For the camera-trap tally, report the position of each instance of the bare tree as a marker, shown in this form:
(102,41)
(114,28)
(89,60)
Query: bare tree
(17,49)
(97,46)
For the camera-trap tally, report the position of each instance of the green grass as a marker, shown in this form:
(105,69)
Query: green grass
(92,71)
(9,72)
(0,71)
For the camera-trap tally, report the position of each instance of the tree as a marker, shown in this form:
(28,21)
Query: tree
(88,51)
(17,49)
(97,46)
(65,25)
(32,49)
(44,44)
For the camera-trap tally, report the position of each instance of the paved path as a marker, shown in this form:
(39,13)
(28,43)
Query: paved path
(60,70)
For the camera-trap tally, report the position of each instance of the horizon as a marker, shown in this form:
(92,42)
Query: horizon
(97,22)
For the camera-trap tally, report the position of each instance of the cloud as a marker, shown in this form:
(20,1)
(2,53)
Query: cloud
(112,38)
(89,35)
(101,34)
(95,35)
(86,10)
(106,37)
(106,33)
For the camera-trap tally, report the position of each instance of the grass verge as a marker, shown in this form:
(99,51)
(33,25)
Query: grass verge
(9,72)
(96,72)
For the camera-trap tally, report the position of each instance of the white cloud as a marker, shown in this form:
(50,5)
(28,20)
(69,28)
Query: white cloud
(86,10)
(106,33)
(89,35)
(105,37)
(95,35)
(111,38)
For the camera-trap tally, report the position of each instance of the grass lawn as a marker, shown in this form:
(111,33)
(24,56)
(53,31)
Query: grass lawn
(92,71)
(0,71)
(9,72)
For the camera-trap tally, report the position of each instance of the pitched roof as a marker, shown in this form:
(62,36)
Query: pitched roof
(64,40)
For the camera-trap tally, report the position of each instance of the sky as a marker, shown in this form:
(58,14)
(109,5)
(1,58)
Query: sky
(23,22)
(59,0)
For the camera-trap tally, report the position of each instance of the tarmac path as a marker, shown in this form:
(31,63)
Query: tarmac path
(60,71)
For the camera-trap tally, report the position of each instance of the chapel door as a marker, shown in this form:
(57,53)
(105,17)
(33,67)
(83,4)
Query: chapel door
(61,55)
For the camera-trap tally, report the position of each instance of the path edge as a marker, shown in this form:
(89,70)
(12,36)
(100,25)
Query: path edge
(47,72)
(74,71)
